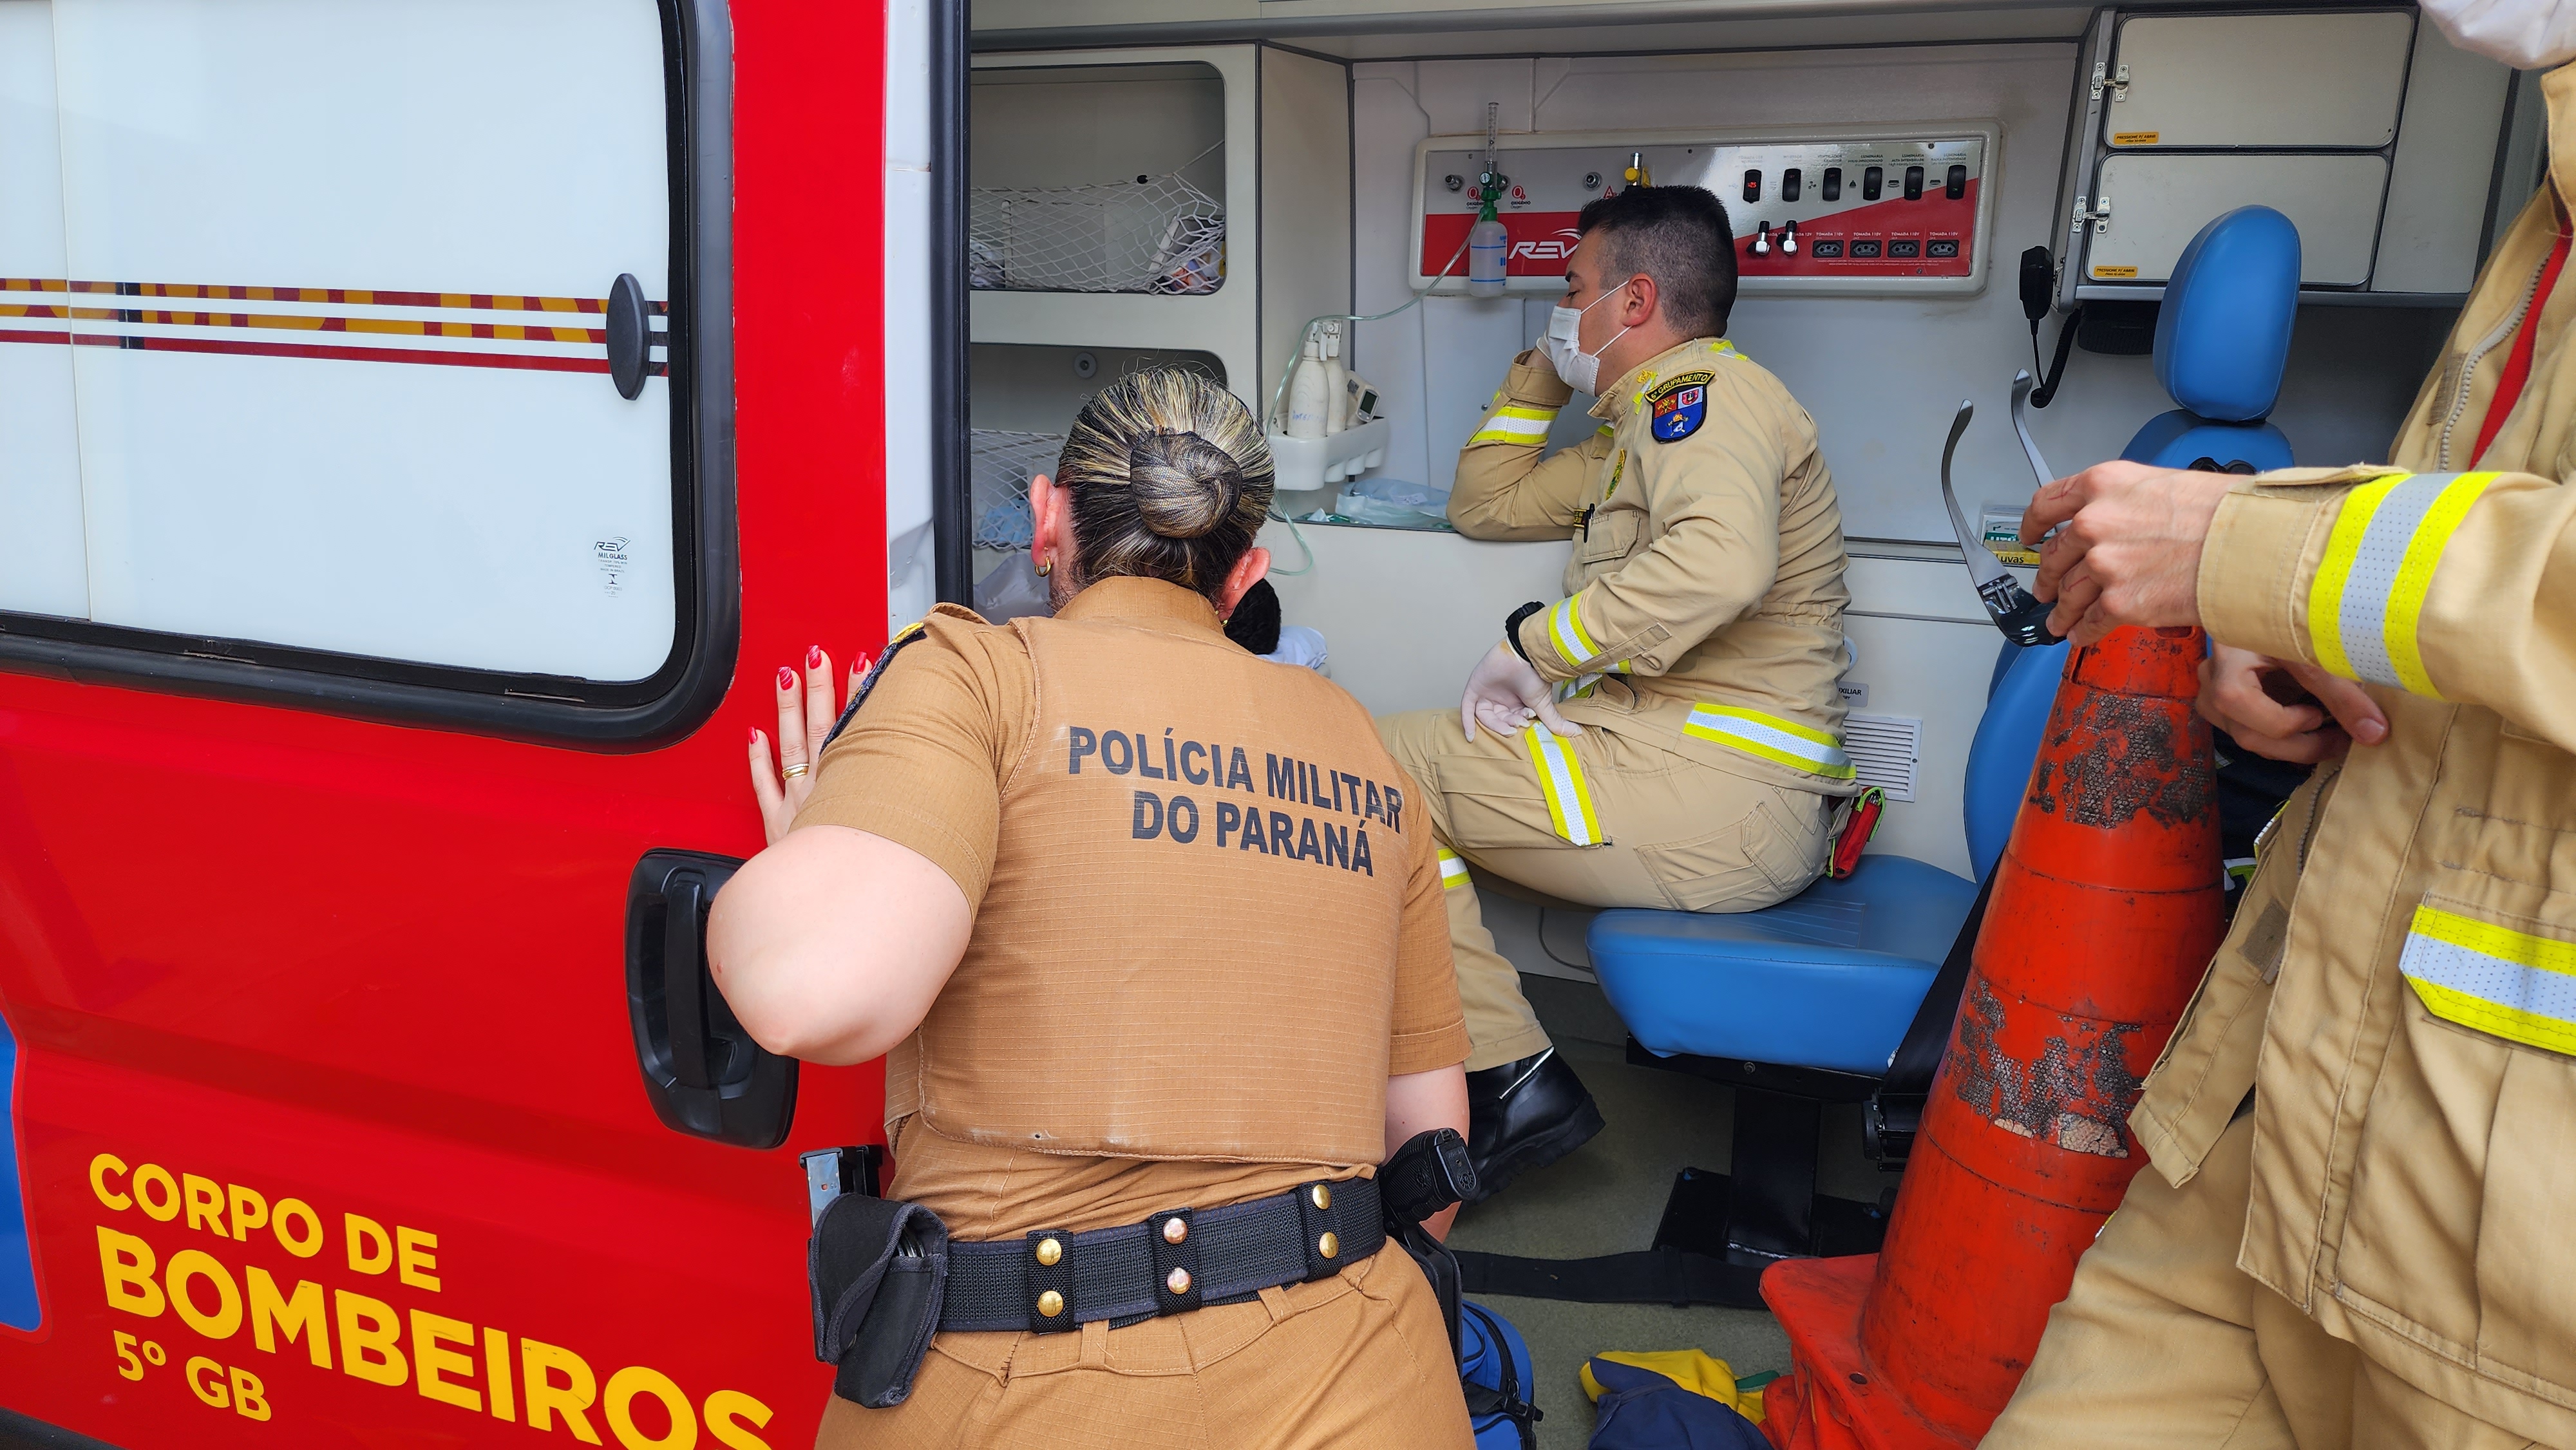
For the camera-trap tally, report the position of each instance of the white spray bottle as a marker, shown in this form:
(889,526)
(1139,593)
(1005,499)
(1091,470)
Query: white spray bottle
(1309,409)
(1337,382)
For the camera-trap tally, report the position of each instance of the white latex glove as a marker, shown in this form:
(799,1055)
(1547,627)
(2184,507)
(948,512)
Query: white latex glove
(1504,694)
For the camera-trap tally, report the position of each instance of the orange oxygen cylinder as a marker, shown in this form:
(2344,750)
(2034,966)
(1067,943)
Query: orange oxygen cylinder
(2107,906)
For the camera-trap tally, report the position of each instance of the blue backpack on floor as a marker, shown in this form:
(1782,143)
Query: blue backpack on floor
(1494,1367)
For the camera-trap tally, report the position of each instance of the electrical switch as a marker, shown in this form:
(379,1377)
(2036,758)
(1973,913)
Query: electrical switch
(1957,185)
(1789,239)
(1833,183)
(1761,239)
(1789,180)
(1914,183)
(1872,180)
(1753,185)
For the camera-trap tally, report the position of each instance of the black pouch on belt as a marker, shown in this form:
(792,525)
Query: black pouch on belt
(1429,1173)
(879,1270)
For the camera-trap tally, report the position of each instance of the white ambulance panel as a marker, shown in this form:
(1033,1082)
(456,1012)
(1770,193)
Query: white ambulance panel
(2332,79)
(2155,204)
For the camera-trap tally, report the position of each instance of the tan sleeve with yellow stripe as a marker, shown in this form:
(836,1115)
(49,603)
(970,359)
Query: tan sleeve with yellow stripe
(2455,586)
(1716,546)
(1505,490)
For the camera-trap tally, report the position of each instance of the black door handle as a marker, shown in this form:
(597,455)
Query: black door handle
(702,1072)
(630,336)
(684,977)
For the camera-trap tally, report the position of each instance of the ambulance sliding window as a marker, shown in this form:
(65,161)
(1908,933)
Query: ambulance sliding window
(428,437)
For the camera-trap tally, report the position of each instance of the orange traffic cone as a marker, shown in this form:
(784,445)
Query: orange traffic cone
(2106,908)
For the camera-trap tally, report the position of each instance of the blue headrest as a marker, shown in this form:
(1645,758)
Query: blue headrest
(2224,333)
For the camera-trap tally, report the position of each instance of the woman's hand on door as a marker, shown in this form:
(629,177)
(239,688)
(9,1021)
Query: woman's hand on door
(806,710)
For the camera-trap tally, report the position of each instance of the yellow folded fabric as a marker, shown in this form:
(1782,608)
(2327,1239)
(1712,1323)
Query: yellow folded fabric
(1692,1369)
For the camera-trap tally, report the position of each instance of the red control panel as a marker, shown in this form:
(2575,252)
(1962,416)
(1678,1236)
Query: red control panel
(1829,214)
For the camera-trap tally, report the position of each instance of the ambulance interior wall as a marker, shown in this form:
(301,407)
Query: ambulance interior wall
(1406,614)
(1085,126)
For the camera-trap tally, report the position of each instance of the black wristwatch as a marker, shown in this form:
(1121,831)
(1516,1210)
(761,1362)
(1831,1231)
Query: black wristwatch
(1512,630)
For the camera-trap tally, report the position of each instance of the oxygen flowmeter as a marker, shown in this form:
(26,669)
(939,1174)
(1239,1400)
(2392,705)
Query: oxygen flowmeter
(1488,241)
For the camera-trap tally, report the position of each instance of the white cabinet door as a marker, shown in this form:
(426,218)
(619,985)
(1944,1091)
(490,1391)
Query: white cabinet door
(2260,80)
(2159,202)
(331,282)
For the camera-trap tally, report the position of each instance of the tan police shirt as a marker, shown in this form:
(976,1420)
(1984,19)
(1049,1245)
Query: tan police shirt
(1703,605)
(2401,979)
(1208,916)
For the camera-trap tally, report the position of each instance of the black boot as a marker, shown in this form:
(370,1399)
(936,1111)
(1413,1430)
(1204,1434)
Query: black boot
(1525,1115)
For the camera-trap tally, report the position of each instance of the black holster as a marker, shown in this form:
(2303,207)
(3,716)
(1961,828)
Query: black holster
(879,1272)
(1429,1173)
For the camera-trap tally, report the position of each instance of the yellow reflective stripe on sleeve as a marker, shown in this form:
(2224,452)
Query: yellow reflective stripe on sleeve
(1560,780)
(1565,628)
(1516,424)
(1768,737)
(2503,982)
(2366,604)
(1453,872)
(1604,431)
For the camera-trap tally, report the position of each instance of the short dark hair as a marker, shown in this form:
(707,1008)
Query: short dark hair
(1678,235)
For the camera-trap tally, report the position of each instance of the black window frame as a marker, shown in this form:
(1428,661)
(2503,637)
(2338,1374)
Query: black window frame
(697,59)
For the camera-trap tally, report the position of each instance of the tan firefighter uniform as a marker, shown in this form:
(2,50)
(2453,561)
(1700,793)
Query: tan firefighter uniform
(2381,1250)
(1207,931)
(1700,640)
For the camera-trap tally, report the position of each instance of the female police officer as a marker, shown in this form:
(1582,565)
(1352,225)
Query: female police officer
(1150,933)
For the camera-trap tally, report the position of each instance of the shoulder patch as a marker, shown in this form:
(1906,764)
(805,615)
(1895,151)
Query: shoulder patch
(1678,407)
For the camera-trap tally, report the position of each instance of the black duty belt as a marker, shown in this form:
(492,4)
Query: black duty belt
(1171,1263)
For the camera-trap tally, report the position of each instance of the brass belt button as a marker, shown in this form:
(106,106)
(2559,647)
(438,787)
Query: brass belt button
(1049,1252)
(1174,1231)
(1050,1303)
(1330,1244)
(1321,1194)
(1178,1282)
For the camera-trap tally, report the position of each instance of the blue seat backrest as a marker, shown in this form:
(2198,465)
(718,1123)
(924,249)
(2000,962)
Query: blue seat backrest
(2223,333)
(2222,340)
(2006,744)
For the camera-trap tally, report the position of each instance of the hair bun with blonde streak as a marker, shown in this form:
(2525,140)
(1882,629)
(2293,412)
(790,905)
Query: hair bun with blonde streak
(1184,486)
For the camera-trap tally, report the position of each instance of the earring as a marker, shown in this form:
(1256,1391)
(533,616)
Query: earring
(1046,568)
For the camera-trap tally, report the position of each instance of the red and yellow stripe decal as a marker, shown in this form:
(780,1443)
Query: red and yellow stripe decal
(92,302)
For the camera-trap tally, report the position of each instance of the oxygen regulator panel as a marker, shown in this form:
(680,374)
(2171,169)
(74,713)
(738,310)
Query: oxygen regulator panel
(1818,210)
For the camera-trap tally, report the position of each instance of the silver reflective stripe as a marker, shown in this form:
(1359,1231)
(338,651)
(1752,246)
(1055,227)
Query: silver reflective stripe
(2363,610)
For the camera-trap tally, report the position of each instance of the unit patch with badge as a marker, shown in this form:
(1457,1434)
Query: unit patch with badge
(1678,407)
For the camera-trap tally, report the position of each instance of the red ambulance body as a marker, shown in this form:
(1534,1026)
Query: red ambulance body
(328,968)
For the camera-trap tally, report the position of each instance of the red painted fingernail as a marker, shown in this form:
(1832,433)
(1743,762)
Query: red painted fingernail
(814,657)
(755,735)
(786,678)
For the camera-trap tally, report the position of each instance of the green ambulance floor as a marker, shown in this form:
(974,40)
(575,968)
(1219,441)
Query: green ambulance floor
(1607,1196)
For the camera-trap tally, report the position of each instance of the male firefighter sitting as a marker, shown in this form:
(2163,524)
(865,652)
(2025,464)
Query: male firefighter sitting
(1664,735)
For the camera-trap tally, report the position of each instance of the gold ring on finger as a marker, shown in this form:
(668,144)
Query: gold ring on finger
(793,771)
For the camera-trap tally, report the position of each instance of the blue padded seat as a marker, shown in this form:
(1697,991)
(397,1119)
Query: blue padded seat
(2222,341)
(1828,978)
(1831,977)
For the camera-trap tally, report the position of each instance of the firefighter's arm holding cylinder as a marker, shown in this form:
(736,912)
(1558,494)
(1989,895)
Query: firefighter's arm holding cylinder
(2451,586)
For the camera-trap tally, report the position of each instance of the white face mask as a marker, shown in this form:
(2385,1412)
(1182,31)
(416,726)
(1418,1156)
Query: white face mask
(2524,34)
(1564,346)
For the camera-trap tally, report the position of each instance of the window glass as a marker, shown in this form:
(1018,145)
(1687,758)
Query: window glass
(311,311)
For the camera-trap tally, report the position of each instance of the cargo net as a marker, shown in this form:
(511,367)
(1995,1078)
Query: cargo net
(1153,234)
(1000,464)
